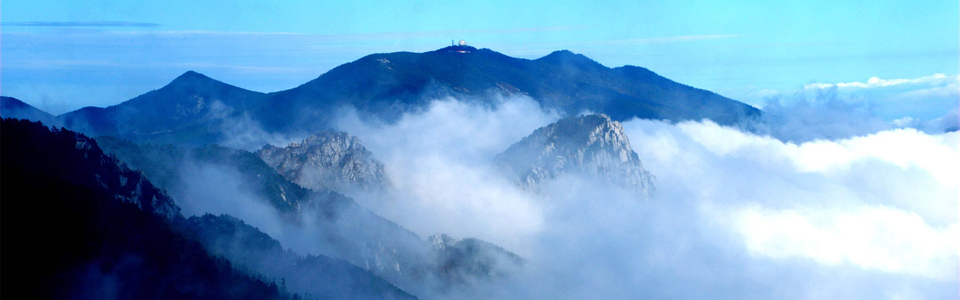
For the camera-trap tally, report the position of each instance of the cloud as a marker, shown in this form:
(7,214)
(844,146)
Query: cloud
(81,24)
(925,103)
(240,131)
(872,237)
(738,215)
(216,189)
(438,161)
(876,82)
(837,111)
(883,203)
(802,117)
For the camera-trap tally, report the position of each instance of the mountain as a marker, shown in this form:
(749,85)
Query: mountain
(590,144)
(78,160)
(14,108)
(312,275)
(190,110)
(85,226)
(350,231)
(327,160)
(175,167)
(344,228)
(197,110)
(107,232)
(387,85)
(463,260)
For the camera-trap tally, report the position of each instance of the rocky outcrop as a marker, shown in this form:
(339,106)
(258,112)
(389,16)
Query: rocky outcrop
(593,145)
(327,160)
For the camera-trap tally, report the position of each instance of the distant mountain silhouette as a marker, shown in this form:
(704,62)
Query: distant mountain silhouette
(189,110)
(195,109)
(14,108)
(389,84)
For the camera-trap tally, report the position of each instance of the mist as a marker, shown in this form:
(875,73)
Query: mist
(843,110)
(438,161)
(868,213)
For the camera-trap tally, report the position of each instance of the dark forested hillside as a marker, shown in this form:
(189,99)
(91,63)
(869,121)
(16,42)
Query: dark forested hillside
(87,227)
(74,232)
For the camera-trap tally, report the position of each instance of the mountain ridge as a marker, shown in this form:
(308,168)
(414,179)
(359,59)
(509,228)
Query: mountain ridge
(195,109)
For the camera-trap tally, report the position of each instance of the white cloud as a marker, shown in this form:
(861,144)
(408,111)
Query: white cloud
(885,201)
(875,82)
(810,111)
(438,161)
(873,237)
(905,148)
(868,216)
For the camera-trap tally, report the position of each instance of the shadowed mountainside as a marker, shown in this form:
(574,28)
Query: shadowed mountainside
(107,232)
(346,229)
(14,108)
(82,233)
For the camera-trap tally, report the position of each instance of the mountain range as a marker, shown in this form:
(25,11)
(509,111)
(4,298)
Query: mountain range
(196,110)
(153,153)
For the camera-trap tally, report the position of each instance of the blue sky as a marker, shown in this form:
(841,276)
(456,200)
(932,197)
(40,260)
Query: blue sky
(60,55)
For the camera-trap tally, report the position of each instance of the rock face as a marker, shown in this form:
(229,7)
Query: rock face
(593,145)
(327,160)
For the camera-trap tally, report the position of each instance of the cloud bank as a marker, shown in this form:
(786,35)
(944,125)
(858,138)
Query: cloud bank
(738,215)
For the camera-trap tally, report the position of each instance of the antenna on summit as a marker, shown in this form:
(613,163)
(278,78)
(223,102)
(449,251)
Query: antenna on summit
(458,47)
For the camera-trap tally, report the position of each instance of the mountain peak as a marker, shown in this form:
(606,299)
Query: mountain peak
(592,144)
(566,57)
(14,108)
(327,160)
(192,77)
(457,49)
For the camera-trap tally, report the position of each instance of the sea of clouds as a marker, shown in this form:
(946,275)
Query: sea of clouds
(869,213)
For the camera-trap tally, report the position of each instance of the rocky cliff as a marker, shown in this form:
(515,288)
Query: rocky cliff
(327,160)
(592,145)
